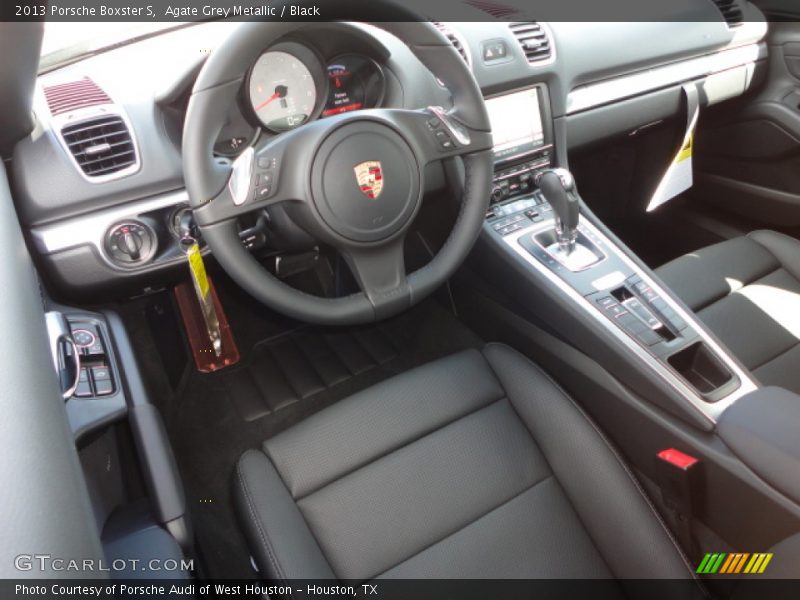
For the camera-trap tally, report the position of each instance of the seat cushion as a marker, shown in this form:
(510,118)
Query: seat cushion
(476,465)
(747,291)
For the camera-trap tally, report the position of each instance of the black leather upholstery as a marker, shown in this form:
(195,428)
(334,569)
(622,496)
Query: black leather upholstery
(476,465)
(747,290)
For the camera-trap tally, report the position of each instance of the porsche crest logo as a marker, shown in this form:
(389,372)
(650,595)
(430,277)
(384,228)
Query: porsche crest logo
(369,176)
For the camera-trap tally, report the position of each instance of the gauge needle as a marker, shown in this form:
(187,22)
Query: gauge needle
(280,92)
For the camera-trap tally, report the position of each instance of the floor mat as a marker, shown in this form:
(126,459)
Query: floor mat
(280,381)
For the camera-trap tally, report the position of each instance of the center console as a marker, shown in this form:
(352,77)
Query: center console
(537,216)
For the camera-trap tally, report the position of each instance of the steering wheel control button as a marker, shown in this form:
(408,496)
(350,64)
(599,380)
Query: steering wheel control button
(264,179)
(458,132)
(365,182)
(445,141)
(130,243)
(263,192)
(267,162)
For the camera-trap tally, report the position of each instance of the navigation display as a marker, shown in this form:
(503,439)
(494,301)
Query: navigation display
(516,123)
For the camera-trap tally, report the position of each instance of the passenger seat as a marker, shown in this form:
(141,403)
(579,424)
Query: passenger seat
(747,291)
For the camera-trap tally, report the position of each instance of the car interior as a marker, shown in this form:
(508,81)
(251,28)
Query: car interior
(364,301)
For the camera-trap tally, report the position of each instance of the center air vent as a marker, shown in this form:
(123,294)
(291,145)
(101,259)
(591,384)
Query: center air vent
(101,145)
(458,42)
(533,40)
(731,11)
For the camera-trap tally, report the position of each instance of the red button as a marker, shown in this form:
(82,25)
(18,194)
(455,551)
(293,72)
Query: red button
(677,458)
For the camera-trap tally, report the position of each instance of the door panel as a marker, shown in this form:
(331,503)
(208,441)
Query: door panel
(748,153)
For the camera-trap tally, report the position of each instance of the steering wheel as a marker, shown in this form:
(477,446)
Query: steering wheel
(353,181)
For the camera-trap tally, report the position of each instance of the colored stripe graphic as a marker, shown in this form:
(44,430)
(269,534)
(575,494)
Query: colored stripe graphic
(737,562)
(711,563)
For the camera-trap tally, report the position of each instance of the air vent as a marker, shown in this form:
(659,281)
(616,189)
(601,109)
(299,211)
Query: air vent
(64,97)
(533,40)
(458,42)
(101,145)
(731,11)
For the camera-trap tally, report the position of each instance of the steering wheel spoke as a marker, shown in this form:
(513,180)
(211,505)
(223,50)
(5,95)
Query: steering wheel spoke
(258,179)
(436,133)
(381,274)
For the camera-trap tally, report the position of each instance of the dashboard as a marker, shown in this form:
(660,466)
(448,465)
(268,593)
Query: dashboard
(596,81)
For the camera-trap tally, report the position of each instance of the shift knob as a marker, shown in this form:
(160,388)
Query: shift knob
(558,187)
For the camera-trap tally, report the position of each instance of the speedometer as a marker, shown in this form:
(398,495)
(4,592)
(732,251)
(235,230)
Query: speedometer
(284,92)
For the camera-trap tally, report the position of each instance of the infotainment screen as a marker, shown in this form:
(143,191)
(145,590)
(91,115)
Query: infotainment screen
(516,123)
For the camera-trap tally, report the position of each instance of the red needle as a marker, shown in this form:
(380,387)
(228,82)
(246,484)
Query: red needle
(274,96)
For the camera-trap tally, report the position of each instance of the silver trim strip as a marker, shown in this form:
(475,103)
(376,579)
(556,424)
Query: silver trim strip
(708,411)
(603,92)
(91,229)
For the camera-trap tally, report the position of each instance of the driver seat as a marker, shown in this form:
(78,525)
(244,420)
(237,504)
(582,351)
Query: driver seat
(473,466)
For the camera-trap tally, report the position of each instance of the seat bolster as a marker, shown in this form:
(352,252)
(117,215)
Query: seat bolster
(784,248)
(283,545)
(709,274)
(612,506)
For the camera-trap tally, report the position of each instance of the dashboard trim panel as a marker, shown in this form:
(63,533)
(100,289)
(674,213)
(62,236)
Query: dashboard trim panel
(91,229)
(592,95)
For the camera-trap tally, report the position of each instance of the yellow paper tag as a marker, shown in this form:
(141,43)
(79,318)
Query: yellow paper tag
(686,151)
(198,269)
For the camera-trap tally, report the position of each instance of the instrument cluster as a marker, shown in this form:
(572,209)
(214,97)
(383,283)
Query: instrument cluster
(290,84)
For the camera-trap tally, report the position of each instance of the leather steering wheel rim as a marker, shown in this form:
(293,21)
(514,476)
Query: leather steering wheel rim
(410,141)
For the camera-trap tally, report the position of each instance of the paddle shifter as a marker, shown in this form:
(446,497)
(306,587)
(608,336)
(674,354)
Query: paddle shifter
(558,187)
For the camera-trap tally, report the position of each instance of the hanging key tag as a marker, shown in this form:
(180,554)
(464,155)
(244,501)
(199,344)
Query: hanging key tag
(203,289)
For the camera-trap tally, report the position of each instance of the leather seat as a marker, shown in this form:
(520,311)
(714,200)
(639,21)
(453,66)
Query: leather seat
(747,291)
(473,466)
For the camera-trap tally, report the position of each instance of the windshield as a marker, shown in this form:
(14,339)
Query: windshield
(64,42)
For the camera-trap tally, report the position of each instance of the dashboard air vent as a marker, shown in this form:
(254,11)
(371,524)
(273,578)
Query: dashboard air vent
(731,11)
(64,97)
(533,40)
(456,40)
(101,145)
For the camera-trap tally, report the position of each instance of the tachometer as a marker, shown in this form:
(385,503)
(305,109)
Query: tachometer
(284,91)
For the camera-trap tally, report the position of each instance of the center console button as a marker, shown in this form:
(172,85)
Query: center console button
(96,349)
(104,388)
(101,373)
(83,338)
(84,390)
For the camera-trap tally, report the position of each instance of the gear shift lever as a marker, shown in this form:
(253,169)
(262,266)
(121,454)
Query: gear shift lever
(558,187)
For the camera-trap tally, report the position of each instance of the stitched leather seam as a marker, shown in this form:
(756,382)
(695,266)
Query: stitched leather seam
(625,468)
(386,453)
(467,524)
(262,534)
